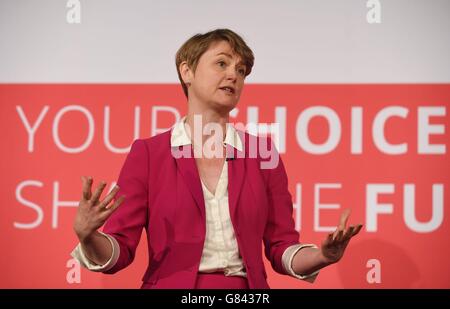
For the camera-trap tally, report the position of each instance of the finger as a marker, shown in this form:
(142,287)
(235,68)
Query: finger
(328,239)
(104,204)
(339,235)
(357,229)
(344,218)
(348,233)
(98,192)
(335,233)
(111,208)
(87,183)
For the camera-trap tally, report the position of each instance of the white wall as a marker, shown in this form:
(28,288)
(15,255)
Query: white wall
(298,41)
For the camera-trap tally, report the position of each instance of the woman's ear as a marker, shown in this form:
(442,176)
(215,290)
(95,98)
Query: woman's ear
(186,73)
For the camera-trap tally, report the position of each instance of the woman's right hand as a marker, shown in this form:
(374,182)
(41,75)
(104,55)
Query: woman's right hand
(92,213)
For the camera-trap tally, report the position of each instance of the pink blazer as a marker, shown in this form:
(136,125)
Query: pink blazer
(164,196)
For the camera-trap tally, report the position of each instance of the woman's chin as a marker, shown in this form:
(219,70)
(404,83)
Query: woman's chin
(227,105)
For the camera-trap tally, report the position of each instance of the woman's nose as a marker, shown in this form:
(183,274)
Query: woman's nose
(231,73)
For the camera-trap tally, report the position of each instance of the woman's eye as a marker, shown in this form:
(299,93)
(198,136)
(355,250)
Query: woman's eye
(241,71)
(221,63)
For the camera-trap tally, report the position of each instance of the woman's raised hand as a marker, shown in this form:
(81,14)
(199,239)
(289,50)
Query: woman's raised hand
(334,245)
(92,213)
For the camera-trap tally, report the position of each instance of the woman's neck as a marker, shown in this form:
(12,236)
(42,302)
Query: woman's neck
(203,124)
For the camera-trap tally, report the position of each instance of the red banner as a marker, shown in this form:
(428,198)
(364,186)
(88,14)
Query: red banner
(381,150)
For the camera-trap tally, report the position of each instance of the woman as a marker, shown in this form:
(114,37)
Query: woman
(204,198)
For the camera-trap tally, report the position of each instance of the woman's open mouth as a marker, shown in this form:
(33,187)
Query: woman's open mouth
(228,90)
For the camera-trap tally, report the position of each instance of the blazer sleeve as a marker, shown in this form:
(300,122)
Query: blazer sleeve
(127,222)
(279,233)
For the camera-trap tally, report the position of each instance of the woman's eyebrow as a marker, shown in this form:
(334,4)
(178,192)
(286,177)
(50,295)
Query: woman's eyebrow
(226,54)
(229,56)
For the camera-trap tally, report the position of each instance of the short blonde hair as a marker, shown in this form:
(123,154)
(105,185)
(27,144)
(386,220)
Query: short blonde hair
(193,49)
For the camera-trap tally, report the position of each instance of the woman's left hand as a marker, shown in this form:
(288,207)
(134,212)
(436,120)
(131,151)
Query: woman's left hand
(334,245)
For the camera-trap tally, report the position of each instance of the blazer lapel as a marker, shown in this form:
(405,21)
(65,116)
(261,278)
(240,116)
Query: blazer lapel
(189,171)
(236,174)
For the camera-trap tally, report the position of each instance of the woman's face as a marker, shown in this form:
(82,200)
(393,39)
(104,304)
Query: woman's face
(218,79)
